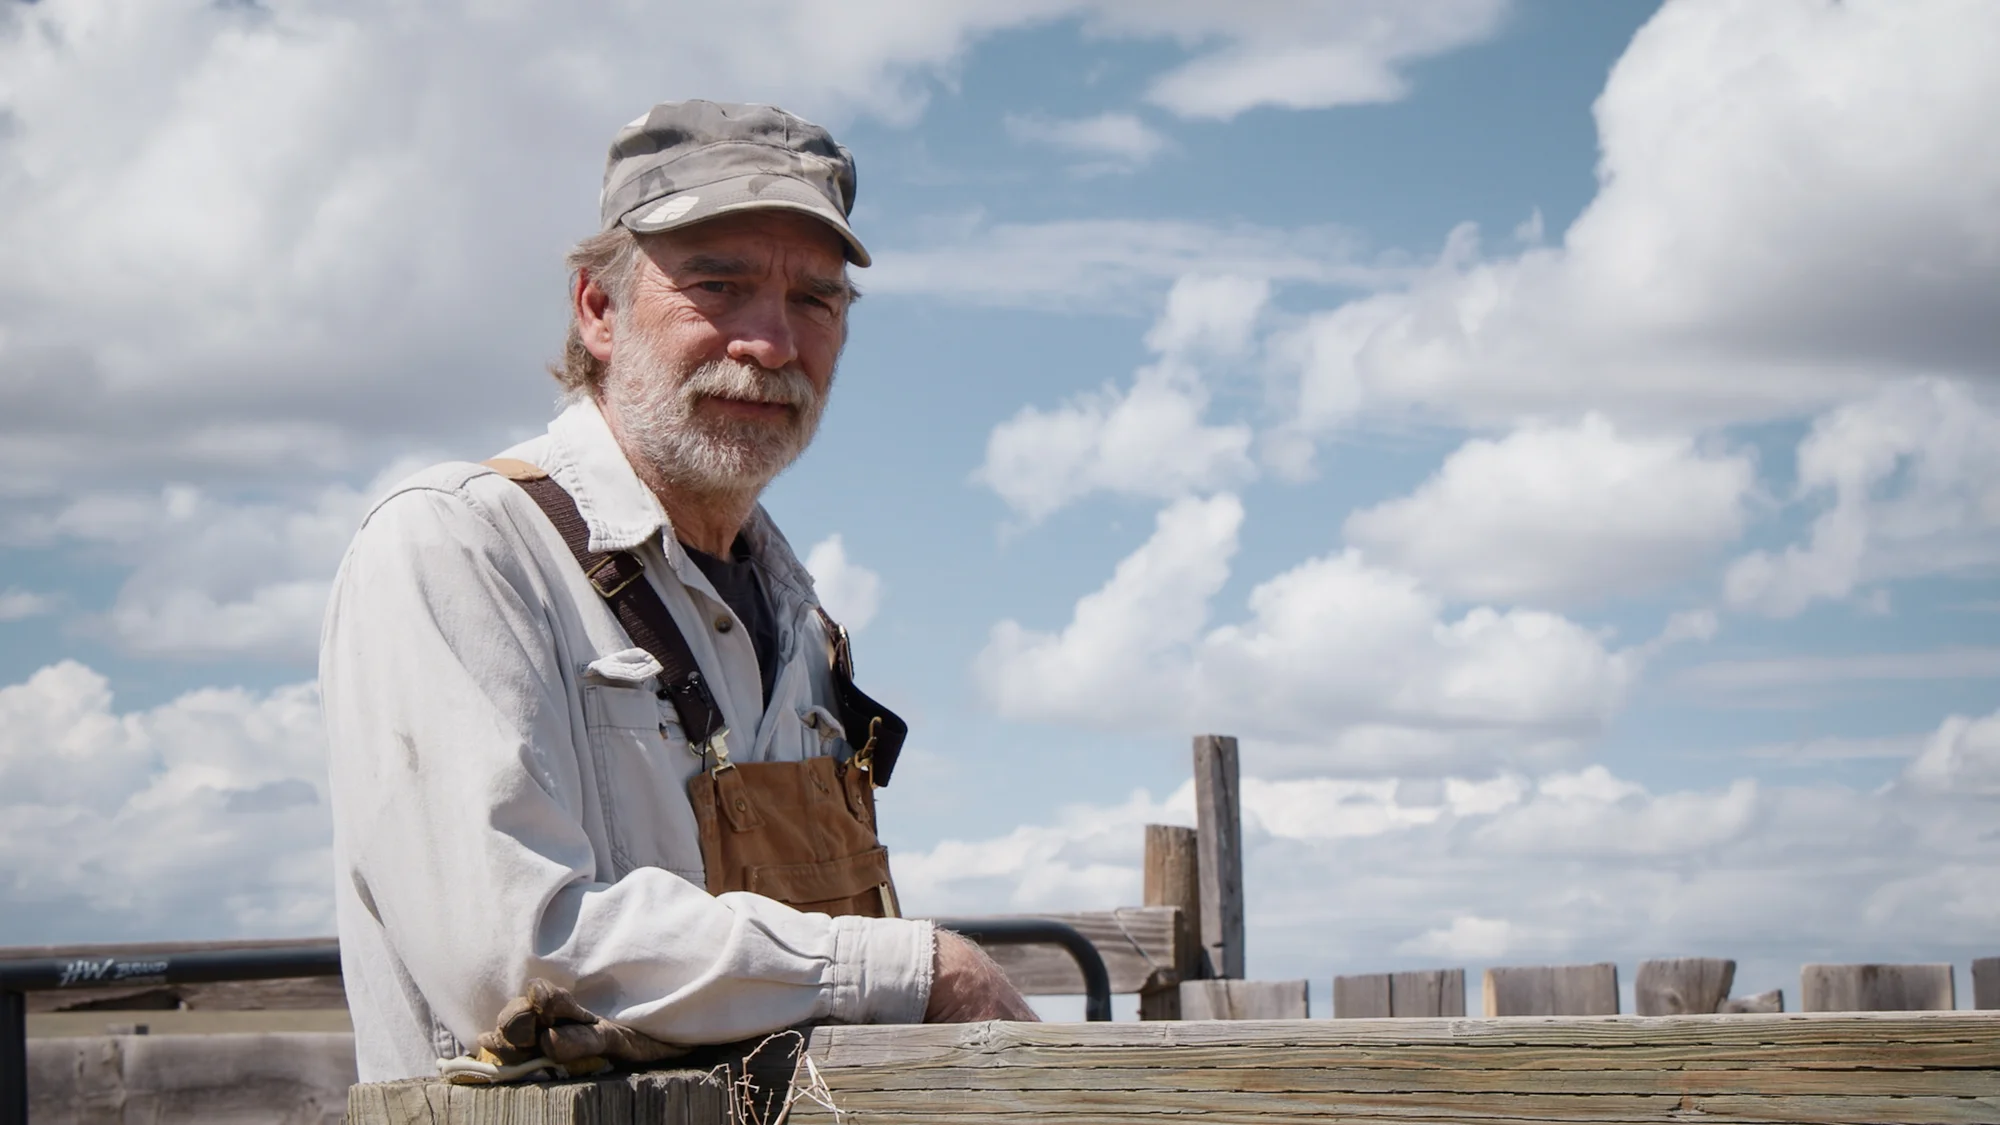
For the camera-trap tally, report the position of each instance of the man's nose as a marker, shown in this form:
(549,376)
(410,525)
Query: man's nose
(762,333)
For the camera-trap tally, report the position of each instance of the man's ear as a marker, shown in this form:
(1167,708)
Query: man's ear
(591,306)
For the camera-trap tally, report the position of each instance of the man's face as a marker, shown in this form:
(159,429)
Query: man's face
(723,352)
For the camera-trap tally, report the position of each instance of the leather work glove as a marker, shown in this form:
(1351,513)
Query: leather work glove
(546,1028)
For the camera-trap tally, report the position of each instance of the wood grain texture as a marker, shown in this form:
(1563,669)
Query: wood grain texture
(1679,986)
(1876,988)
(1219,852)
(1553,990)
(1362,996)
(1411,994)
(682,1097)
(1244,999)
(1139,944)
(1986,983)
(1427,992)
(1931,1067)
(1772,1001)
(1173,879)
(289,1078)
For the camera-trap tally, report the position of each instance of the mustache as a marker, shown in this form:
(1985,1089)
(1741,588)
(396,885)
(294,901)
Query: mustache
(747,382)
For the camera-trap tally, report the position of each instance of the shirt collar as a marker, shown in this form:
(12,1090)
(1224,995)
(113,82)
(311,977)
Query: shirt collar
(584,458)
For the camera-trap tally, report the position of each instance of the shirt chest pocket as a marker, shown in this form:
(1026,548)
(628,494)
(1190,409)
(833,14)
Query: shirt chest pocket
(642,764)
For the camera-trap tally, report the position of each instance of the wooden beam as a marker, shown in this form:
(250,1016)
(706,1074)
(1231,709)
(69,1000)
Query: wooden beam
(1986,982)
(1140,946)
(1680,985)
(670,1097)
(1553,990)
(1173,878)
(1939,1067)
(1876,988)
(1244,1000)
(1219,840)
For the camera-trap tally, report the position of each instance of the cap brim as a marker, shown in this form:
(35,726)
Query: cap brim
(762,191)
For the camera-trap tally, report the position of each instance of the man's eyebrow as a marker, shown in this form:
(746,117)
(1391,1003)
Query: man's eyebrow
(715,264)
(838,287)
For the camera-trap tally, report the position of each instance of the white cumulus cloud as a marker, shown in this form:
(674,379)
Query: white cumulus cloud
(850,592)
(1913,473)
(1147,440)
(1794,204)
(17,604)
(202,817)
(1108,142)
(1331,644)
(1562,514)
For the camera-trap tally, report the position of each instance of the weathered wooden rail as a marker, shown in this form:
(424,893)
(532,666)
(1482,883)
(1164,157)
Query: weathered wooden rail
(1939,1068)
(1932,1067)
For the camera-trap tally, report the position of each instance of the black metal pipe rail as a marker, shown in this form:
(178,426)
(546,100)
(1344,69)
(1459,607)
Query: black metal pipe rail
(111,967)
(211,966)
(1044,931)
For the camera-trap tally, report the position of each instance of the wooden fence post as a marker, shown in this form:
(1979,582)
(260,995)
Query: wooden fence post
(1553,990)
(1986,982)
(1876,988)
(1680,985)
(1244,1000)
(1427,992)
(1772,1001)
(1364,996)
(1219,840)
(1173,878)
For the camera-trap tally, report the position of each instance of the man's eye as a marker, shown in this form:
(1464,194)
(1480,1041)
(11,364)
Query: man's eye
(713,286)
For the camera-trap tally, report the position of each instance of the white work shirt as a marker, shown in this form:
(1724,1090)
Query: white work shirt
(510,795)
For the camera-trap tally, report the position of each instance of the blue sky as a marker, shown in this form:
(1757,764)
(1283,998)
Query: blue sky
(1576,486)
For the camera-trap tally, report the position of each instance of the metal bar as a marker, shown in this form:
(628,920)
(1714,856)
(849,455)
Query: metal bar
(13,1057)
(1039,931)
(54,974)
(207,966)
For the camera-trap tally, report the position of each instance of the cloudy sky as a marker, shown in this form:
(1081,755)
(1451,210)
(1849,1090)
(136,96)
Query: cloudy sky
(1560,440)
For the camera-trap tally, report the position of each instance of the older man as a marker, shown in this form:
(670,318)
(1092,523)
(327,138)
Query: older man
(587,720)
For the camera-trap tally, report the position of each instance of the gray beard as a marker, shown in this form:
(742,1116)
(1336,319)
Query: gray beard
(653,400)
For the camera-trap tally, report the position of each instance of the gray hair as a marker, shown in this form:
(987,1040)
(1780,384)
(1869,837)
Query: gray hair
(608,258)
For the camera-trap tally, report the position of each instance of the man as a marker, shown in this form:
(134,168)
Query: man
(548,679)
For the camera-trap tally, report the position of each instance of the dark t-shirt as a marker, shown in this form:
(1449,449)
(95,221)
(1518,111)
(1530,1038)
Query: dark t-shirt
(742,589)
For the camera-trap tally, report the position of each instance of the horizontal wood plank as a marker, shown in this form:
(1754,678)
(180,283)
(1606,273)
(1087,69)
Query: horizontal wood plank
(1932,1067)
(1140,946)
(654,1097)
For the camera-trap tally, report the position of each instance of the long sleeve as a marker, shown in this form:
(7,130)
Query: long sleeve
(462,809)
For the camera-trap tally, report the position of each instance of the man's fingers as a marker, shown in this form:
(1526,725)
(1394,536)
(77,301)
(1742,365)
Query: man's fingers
(557,1005)
(516,1025)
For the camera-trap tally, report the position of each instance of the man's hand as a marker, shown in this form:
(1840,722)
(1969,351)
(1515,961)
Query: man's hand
(967,986)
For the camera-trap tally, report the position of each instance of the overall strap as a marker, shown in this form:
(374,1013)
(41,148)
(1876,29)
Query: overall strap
(876,733)
(619,577)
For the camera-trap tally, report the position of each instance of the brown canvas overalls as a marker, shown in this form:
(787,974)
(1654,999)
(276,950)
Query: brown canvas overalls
(803,832)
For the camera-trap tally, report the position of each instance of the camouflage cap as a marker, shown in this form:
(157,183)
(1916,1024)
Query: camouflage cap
(688,161)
